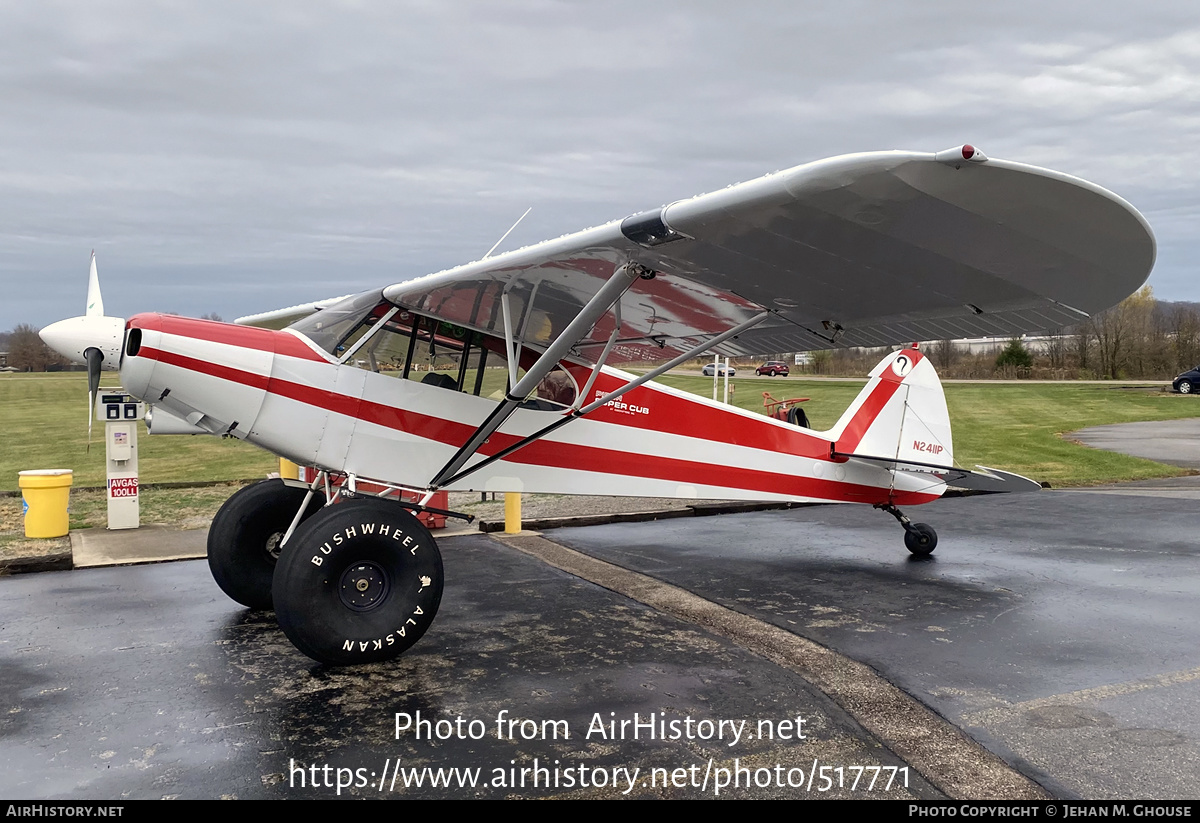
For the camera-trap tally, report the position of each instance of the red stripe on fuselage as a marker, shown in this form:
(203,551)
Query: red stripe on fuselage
(669,413)
(672,414)
(254,381)
(551,454)
(247,337)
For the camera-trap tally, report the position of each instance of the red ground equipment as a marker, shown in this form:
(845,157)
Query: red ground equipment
(788,411)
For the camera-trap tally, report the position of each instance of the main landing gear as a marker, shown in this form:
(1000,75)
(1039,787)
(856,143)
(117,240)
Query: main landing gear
(356,582)
(243,541)
(919,538)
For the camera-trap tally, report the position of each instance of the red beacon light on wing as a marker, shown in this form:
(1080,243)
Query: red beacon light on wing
(958,155)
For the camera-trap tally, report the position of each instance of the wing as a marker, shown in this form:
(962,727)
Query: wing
(282,318)
(858,250)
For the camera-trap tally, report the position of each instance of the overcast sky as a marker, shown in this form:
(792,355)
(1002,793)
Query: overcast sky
(239,157)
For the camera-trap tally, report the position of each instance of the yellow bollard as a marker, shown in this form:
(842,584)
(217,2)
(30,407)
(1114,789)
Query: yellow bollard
(512,512)
(46,494)
(288,470)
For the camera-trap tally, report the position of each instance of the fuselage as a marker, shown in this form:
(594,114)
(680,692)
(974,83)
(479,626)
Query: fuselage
(281,391)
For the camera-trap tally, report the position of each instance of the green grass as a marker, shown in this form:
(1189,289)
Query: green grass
(44,420)
(1021,428)
(1010,426)
(1013,426)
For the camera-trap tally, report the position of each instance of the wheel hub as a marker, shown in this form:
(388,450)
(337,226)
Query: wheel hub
(363,586)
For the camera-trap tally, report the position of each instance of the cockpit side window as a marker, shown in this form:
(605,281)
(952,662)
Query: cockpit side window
(429,351)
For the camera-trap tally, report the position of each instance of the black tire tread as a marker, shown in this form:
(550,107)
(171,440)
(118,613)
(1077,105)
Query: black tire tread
(237,555)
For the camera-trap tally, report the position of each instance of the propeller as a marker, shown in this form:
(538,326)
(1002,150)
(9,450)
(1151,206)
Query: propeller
(95,301)
(95,361)
(93,339)
(92,355)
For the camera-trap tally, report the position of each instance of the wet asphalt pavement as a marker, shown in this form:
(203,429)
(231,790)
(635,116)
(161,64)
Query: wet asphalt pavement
(146,682)
(1058,629)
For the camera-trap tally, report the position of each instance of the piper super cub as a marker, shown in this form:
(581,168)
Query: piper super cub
(859,250)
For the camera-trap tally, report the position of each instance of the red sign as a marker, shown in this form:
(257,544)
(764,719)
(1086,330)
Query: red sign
(123,487)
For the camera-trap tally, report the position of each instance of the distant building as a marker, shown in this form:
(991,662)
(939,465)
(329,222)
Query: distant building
(993,345)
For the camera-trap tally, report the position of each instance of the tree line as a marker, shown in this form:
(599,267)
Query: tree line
(1141,338)
(27,352)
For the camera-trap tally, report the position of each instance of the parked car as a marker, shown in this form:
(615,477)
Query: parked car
(772,368)
(708,370)
(1187,382)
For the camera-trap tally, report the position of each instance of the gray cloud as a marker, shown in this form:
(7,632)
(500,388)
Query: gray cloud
(239,157)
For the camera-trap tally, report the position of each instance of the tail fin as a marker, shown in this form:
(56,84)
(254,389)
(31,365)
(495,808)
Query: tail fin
(899,415)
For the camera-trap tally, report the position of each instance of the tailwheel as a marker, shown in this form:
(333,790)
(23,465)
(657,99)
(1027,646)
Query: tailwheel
(920,538)
(360,582)
(244,538)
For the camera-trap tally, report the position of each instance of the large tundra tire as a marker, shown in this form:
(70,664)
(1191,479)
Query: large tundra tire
(243,540)
(358,583)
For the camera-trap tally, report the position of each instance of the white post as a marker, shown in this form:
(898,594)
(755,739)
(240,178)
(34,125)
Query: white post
(726,380)
(716,374)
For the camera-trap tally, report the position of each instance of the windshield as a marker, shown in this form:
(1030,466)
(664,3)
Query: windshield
(332,328)
(427,350)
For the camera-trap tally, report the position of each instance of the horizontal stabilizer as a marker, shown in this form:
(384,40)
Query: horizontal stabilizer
(994,481)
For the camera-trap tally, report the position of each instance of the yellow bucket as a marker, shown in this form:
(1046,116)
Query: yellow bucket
(46,493)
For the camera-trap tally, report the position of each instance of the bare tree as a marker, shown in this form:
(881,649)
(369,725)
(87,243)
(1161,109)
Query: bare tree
(1119,330)
(27,352)
(822,360)
(944,354)
(1184,324)
(1056,350)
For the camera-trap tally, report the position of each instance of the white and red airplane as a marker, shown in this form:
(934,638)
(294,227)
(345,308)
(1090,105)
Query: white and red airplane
(492,376)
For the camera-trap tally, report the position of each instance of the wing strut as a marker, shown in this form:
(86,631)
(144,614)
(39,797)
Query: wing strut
(695,351)
(608,347)
(603,300)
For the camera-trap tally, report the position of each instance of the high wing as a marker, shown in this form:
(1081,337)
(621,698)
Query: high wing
(282,318)
(858,250)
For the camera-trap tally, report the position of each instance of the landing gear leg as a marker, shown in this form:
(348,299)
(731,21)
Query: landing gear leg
(919,538)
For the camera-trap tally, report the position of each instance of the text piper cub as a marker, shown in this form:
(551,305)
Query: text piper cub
(495,375)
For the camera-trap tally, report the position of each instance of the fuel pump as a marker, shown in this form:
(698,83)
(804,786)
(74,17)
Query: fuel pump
(120,413)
